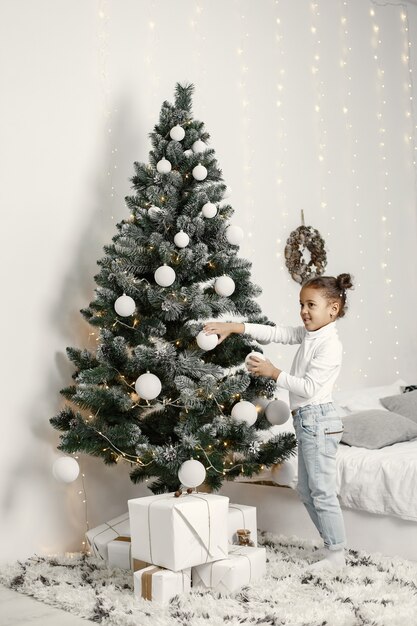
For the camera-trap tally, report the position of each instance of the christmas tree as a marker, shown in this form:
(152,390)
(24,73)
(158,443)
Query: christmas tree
(154,393)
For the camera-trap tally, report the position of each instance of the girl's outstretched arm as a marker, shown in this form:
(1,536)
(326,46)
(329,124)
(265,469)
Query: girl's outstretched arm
(262,333)
(223,329)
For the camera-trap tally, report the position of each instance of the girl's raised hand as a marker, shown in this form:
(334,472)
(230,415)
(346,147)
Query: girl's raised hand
(263,367)
(222,329)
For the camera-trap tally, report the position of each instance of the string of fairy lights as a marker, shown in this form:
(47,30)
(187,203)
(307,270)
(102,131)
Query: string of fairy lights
(319,101)
(281,143)
(246,112)
(409,137)
(386,201)
(376,43)
(134,459)
(352,143)
(102,39)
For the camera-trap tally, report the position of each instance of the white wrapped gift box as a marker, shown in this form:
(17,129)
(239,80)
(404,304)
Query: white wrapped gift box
(243,566)
(99,537)
(177,533)
(160,585)
(242,516)
(120,553)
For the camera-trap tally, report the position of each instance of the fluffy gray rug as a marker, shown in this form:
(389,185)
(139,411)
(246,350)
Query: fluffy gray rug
(372,591)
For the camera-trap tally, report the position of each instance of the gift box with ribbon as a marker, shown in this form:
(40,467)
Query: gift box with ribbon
(119,553)
(178,533)
(137,564)
(98,538)
(160,585)
(241,516)
(243,566)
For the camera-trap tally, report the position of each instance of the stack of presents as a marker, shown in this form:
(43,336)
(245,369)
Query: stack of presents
(172,543)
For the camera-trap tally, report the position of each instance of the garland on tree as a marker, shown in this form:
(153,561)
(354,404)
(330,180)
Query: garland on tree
(149,394)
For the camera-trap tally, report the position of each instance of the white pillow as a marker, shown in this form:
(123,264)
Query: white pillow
(367,398)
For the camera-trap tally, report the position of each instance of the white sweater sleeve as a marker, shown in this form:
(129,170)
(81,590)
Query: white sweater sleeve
(324,365)
(278,334)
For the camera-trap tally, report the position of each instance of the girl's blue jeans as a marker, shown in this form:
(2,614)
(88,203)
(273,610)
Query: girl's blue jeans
(319,429)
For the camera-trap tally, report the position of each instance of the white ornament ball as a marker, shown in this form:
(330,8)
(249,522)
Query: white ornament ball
(200,172)
(65,469)
(245,411)
(224,286)
(164,275)
(181,239)
(227,192)
(177,133)
(188,153)
(192,473)
(209,210)
(148,386)
(163,166)
(199,146)
(206,342)
(125,306)
(277,412)
(234,235)
(258,354)
(284,473)
(153,212)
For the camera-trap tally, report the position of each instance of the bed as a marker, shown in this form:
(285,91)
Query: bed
(377,488)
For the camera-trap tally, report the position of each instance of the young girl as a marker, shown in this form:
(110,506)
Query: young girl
(318,427)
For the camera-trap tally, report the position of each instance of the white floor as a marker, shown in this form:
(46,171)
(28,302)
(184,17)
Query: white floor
(19,610)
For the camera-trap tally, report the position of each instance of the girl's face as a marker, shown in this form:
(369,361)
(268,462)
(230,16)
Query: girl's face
(316,310)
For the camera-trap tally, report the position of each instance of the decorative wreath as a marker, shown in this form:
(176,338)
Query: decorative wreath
(305,237)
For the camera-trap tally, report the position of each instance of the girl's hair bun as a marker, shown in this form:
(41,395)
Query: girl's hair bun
(344,281)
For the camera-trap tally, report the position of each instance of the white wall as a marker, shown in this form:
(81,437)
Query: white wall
(82,84)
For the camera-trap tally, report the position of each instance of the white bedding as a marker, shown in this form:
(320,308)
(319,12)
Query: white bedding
(380,481)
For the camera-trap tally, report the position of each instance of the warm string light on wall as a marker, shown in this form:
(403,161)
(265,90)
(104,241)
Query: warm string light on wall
(353,141)
(150,48)
(282,149)
(247,143)
(386,217)
(102,60)
(319,89)
(93,338)
(408,89)
(409,136)
(102,56)
(83,494)
(103,37)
